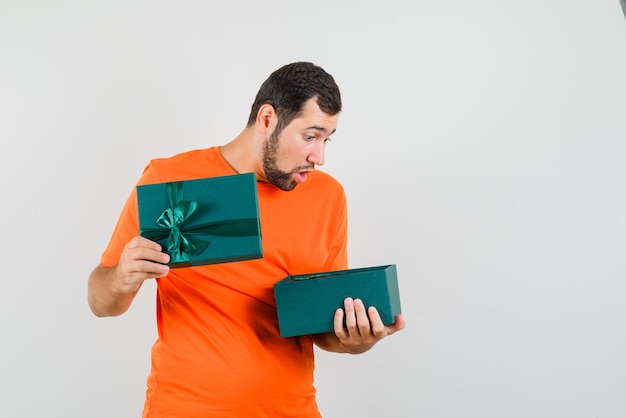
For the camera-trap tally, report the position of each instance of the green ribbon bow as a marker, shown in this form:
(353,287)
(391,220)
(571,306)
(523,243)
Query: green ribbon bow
(181,242)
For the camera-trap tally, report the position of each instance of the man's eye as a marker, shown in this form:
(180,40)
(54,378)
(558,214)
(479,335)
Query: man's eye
(309,137)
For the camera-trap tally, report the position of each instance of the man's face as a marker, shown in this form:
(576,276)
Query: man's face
(290,154)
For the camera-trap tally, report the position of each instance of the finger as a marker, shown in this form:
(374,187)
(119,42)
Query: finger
(149,269)
(140,252)
(376,322)
(135,271)
(155,256)
(350,320)
(396,326)
(340,330)
(362,320)
(142,242)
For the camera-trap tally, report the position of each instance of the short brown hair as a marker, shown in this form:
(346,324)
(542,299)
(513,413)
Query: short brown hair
(291,86)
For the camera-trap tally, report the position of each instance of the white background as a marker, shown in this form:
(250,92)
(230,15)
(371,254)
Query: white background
(482,148)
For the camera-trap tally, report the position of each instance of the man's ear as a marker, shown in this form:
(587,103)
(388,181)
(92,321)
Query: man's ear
(266,119)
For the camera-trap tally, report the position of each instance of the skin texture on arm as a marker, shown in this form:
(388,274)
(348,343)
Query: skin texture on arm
(362,330)
(111,290)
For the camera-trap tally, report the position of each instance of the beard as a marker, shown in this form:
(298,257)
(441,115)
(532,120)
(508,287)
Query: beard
(281,179)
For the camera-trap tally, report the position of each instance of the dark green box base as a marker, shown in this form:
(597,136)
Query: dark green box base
(306,303)
(226,218)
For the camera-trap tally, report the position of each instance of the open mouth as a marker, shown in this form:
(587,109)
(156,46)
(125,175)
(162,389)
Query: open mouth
(301,176)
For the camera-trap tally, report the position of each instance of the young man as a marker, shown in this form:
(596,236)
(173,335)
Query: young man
(219,352)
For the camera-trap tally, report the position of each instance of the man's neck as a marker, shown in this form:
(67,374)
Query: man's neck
(244,153)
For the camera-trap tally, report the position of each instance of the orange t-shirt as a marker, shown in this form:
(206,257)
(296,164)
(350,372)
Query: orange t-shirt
(219,352)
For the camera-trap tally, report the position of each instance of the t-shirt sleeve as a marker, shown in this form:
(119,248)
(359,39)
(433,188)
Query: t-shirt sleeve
(127,226)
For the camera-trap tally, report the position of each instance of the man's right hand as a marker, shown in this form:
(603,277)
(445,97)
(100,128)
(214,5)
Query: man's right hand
(111,290)
(141,259)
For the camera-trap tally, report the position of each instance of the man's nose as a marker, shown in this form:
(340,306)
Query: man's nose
(317,154)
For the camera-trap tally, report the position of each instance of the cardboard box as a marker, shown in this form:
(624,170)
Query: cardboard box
(306,303)
(203,221)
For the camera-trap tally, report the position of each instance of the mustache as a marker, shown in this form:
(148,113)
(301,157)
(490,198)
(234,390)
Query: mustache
(303,168)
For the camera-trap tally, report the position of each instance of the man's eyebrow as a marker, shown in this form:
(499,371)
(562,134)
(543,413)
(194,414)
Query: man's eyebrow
(321,129)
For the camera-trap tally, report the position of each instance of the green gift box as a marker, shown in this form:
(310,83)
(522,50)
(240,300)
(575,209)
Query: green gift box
(306,303)
(202,221)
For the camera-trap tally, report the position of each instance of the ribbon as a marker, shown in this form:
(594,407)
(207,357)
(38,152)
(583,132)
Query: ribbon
(181,242)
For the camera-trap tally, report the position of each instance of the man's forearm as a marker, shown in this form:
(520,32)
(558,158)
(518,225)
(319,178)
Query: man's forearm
(103,299)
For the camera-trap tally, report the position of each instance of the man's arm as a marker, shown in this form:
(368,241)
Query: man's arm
(362,330)
(111,290)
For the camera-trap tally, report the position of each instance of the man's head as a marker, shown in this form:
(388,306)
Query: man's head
(291,86)
(298,107)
